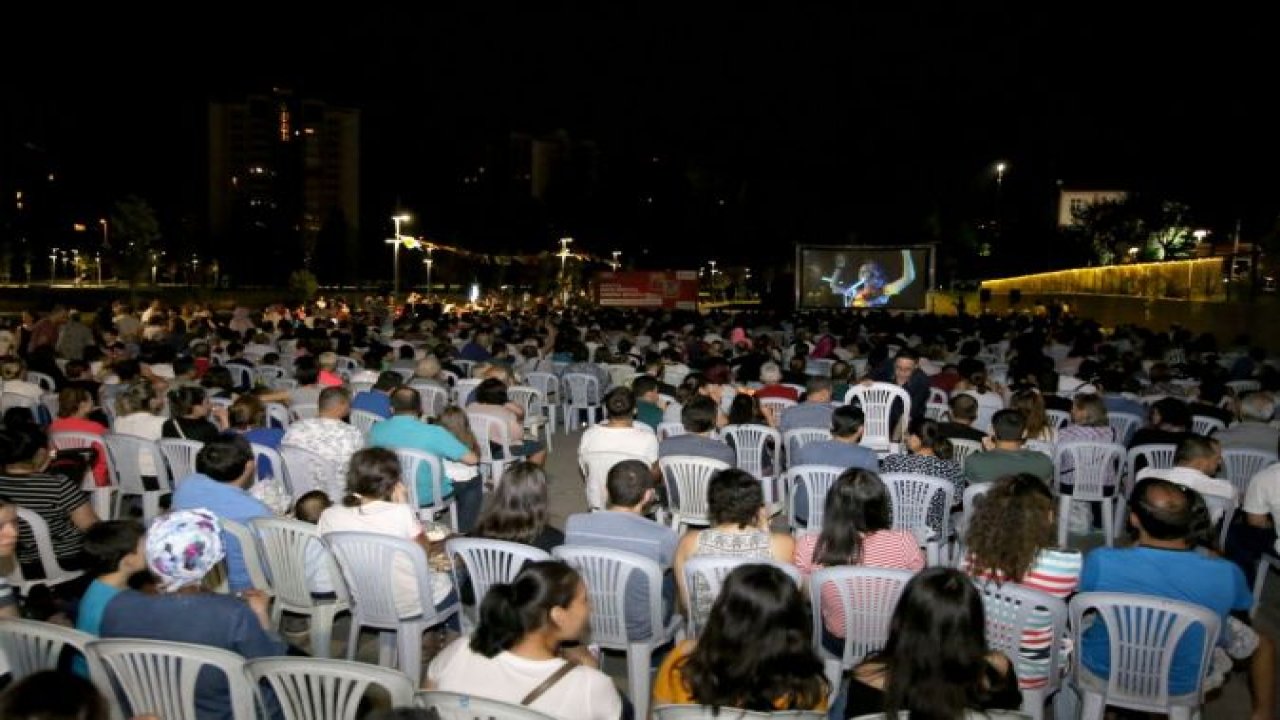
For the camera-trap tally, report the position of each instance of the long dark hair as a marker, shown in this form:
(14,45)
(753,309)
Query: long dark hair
(511,610)
(517,509)
(372,474)
(755,652)
(936,657)
(857,504)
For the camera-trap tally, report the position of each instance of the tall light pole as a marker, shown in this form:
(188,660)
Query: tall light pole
(429,261)
(105,236)
(395,262)
(53,265)
(615,263)
(564,255)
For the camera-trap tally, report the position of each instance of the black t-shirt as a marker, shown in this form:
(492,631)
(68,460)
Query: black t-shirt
(190,429)
(951,430)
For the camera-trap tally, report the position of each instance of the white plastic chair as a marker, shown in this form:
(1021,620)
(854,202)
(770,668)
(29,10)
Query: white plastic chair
(969,501)
(795,439)
(180,455)
(595,467)
(487,563)
(358,386)
(686,478)
(819,366)
(1241,464)
(1240,387)
(750,444)
(278,473)
(1159,456)
(1011,610)
(267,375)
(462,390)
(938,406)
(278,416)
(705,574)
(877,401)
(1221,510)
(1058,419)
(1205,425)
(1266,563)
(775,406)
(534,404)
(581,392)
(913,495)
(285,547)
(549,385)
(466,366)
(308,471)
(153,677)
(363,420)
(1124,424)
(242,376)
(251,552)
(30,646)
(124,464)
(304,411)
(411,462)
(460,706)
(369,566)
(816,481)
(434,398)
(706,712)
(961,449)
(320,689)
(45,381)
(1096,469)
(670,429)
(490,431)
(1143,632)
(607,572)
(99,497)
(867,598)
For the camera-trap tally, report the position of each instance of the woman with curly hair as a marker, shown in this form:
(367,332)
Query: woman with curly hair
(1010,538)
(754,653)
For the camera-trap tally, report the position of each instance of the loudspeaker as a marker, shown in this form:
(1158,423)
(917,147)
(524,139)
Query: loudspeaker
(984,295)
(1015,296)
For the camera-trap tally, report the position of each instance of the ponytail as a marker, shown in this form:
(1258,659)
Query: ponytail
(509,611)
(500,623)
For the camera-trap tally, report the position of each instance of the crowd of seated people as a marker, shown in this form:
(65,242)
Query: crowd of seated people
(164,373)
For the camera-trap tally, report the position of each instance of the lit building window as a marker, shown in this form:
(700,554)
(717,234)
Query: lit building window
(284,124)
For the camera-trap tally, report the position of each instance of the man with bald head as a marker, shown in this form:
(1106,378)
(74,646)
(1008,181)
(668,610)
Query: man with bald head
(1165,563)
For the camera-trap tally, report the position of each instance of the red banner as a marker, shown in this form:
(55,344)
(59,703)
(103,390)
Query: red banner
(669,289)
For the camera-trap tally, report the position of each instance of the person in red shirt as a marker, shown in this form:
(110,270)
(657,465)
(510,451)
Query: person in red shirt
(74,406)
(771,376)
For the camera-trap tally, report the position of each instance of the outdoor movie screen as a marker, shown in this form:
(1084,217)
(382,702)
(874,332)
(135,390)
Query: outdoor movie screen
(892,278)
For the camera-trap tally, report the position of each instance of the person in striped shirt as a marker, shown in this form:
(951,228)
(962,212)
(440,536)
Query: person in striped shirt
(1009,540)
(856,530)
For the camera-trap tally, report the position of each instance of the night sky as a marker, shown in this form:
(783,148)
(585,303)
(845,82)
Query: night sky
(813,123)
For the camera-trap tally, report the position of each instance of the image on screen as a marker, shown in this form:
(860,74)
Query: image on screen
(890,278)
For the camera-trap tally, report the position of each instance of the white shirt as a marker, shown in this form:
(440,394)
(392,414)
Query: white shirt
(1263,495)
(23,388)
(582,694)
(639,440)
(145,425)
(395,520)
(1192,478)
(331,439)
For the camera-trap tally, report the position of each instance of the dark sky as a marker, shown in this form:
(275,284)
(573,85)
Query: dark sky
(840,119)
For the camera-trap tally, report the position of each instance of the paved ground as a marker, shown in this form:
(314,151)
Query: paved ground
(567,497)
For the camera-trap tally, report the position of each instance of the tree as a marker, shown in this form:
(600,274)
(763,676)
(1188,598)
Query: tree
(135,230)
(1137,225)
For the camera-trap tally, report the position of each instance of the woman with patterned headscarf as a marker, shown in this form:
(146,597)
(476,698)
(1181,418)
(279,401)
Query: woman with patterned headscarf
(183,547)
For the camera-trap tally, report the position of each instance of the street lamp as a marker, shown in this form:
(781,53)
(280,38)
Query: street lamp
(53,265)
(97,260)
(395,262)
(105,225)
(614,265)
(564,255)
